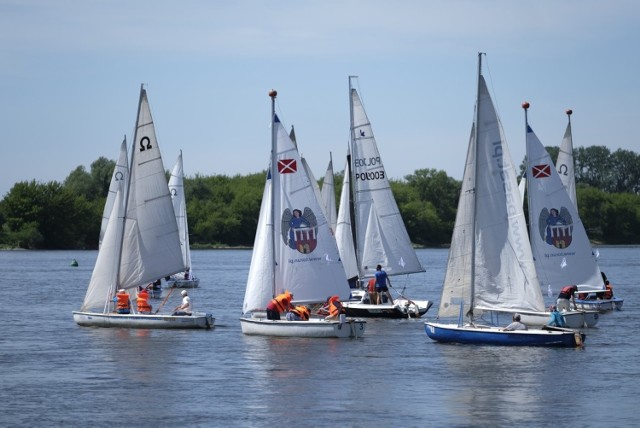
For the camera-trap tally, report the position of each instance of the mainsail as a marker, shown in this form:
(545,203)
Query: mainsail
(373,196)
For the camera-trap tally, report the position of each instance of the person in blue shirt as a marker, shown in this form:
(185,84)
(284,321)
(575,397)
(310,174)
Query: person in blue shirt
(381,285)
(556,319)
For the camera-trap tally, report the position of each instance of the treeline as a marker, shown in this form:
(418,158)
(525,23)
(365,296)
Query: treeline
(223,211)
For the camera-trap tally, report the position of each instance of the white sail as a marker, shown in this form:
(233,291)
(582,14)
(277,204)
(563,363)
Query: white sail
(328,194)
(371,187)
(305,255)
(103,284)
(565,163)
(176,189)
(259,289)
(344,233)
(522,186)
(118,182)
(490,262)
(151,245)
(559,241)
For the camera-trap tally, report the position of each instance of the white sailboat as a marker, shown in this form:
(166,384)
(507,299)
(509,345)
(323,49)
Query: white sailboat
(561,247)
(185,279)
(328,194)
(380,234)
(294,250)
(118,178)
(490,266)
(344,234)
(141,241)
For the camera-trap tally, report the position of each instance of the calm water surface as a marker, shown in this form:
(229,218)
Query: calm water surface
(55,373)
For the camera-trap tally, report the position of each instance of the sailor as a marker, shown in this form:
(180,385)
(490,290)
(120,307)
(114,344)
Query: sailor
(280,303)
(123,305)
(142,301)
(185,307)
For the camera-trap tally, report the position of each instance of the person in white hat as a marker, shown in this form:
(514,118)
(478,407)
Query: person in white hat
(185,307)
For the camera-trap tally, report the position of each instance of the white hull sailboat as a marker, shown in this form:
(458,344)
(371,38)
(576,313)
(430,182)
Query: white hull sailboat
(294,250)
(185,279)
(381,237)
(140,242)
(490,264)
(594,297)
(561,248)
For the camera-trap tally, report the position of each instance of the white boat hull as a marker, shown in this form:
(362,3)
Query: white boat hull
(261,326)
(95,319)
(601,306)
(401,308)
(183,283)
(573,319)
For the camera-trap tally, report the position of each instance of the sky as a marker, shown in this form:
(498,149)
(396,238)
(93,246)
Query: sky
(71,70)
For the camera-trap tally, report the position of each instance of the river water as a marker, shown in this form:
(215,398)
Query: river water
(55,373)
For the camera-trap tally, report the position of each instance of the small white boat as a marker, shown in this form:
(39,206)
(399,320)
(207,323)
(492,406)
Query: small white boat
(400,308)
(294,250)
(561,248)
(140,242)
(381,237)
(185,279)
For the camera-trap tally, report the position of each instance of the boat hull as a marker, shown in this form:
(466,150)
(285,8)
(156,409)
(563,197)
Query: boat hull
(400,309)
(600,305)
(183,283)
(94,319)
(261,326)
(485,335)
(573,319)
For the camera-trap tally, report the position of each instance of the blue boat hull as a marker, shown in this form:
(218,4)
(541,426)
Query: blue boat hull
(485,335)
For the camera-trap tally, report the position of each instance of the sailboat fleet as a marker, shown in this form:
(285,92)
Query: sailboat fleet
(308,246)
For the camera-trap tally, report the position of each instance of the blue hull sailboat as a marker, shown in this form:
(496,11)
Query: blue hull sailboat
(490,265)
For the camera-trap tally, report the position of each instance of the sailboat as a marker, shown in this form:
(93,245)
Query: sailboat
(490,263)
(118,178)
(294,250)
(185,279)
(561,247)
(381,237)
(140,242)
(328,195)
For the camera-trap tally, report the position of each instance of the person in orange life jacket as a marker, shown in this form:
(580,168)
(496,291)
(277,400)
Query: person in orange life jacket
(144,307)
(123,305)
(608,294)
(280,303)
(299,313)
(382,279)
(371,295)
(185,307)
(335,308)
(566,295)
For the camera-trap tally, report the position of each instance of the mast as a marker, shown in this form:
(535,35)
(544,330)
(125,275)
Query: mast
(353,200)
(475,185)
(274,154)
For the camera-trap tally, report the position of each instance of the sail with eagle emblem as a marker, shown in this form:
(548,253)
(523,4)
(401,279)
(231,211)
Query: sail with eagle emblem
(561,248)
(302,254)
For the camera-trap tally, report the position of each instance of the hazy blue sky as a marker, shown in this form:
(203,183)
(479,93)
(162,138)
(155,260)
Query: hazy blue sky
(70,72)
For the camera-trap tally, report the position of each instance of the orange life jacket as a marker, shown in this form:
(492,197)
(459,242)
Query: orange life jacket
(608,294)
(282,302)
(143,302)
(123,300)
(302,312)
(335,306)
(372,285)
